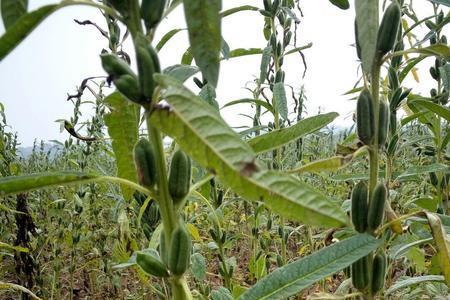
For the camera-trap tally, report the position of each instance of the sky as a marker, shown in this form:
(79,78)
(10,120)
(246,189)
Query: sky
(37,76)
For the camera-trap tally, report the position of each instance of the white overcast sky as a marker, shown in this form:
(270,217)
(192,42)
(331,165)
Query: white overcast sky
(36,77)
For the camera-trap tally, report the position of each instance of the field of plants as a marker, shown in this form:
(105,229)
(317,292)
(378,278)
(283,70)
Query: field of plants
(155,196)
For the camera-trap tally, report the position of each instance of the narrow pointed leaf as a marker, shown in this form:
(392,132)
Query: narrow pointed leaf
(367,20)
(12,10)
(401,284)
(436,108)
(279,94)
(203,22)
(122,123)
(203,134)
(443,251)
(22,28)
(26,183)
(278,138)
(294,277)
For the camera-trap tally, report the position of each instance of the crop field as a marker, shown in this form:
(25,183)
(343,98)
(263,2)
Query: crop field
(162,189)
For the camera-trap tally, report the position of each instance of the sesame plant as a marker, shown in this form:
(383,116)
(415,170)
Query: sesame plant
(179,173)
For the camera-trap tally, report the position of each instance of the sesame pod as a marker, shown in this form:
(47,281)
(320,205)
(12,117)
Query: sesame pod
(144,158)
(378,273)
(155,58)
(393,122)
(430,24)
(358,46)
(383,123)
(146,67)
(180,251)
(115,66)
(180,176)
(152,12)
(342,4)
(365,117)
(275,6)
(433,92)
(151,264)
(267,5)
(376,207)
(120,5)
(433,179)
(287,38)
(128,86)
(360,273)
(434,73)
(359,207)
(444,40)
(387,33)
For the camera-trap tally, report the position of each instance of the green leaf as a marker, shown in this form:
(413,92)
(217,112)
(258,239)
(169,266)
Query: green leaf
(123,123)
(198,267)
(401,284)
(22,28)
(181,72)
(327,164)
(244,52)
(265,60)
(433,50)
(444,72)
(166,38)
(411,64)
(252,101)
(425,169)
(234,10)
(436,108)
(342,4)
(200,131)
(367,20)
(12,10)
(279,95)
(283,136)
(443,251)
(25,183)
(294,277)
(203,22)
(443,2)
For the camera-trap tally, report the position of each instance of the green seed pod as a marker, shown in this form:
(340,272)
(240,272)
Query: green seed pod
(120,5)
(440,17)
(379,273)
(434,73)
(393,122)
(444,40)
(287,38)
(146,67)
(433,179)
(433,92)
(180,176)
(155,58)
(359,207)
(275,6)
(128,86)
(152,12)
(387,33)
(151,264)
(360,273)
(430,24)
(267,5)
(180,251)
(383,124)
(365,118)
(357,44)
(115,66)
(144,158)
(376,207)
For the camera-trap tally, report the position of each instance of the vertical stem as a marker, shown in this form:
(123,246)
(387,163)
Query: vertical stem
(180,289)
